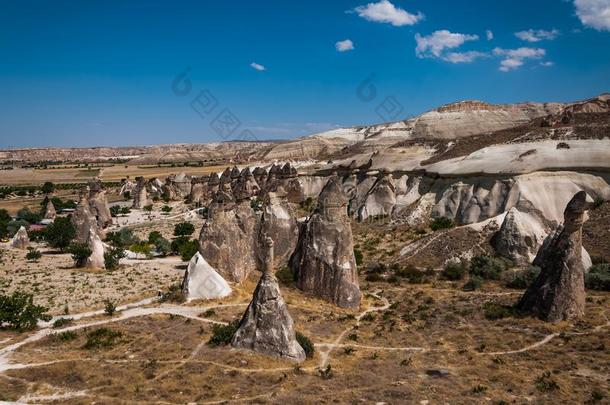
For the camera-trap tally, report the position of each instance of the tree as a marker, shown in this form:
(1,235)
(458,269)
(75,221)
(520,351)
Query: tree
(148,208)
(188,249)
(29,216)
(166,209)
(47,187)
(5,218)
(163,246)
(33,255)
(141,247)
(60,233)
(115,210)
(17,311)
(122,238)
(112,257)
(125,210)
(154,236)
(184,229)
(80,252)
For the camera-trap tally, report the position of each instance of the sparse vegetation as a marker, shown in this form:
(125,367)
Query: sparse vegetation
(109,307)
(545,382)
(112,257)
(33,255)
(493,311)
(285,276)
(222,334)
(442,223)
(102,338)
(60,233)
(184,229)
(306,344)
(486,267)
(454,271)
(61,322)
(80,252)
(598,277)
(173,294)
(524,278)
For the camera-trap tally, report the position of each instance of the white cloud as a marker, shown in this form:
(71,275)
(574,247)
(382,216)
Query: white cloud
(547,63)
(257,66)
(386,12)
(489,34)
(344,46)
(594,13)
(514,58)
(537,35)
(433,45)
(463,57)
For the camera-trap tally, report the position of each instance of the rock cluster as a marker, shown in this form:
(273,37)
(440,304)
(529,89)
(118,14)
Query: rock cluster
(83,219)
(201,281)
(140,196)
(21,239)
(266,327)
(323,261)
(380,200)
(98,204)
(559,292)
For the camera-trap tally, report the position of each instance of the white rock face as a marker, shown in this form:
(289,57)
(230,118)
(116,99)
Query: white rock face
(21,239)
(201,281)
(380,200)
(50,212)
(96,260)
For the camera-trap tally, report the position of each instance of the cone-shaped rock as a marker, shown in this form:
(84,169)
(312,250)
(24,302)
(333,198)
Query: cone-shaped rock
(279,220)
(324,262)
(266,327)
(96,259)
(140,198)
(50,212)
(98,204)
(559,291)
(21,239)
(83,220)
(201,281)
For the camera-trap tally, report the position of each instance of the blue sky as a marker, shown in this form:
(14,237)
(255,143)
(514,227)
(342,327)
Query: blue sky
(100,72)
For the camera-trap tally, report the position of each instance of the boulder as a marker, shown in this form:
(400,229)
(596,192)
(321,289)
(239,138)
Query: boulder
(96,259)
(50,212)
(324,262)
(559,292)
(266,327)
(21,239)
(278,219)
(201,281)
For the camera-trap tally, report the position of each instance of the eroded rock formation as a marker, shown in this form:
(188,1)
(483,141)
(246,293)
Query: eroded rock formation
(279,220)
(96,259)
(559,291)
(83,219)
(380,200)
(324,262)
(140,196)
(50,212)
(21,239)
(98,203)
(266,327)
(201,281)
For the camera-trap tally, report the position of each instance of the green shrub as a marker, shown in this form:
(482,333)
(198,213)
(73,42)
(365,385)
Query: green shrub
(60,322)
(115,210)
(544,382)
(285,276)
(188,250)
(148,208)
(173,294)
(109,307)
(60,233)
(524,278)
(163,246)
(80,252)
(154,236)
(454,271)
(493,311)
(33,255)
(26,215)
(18,312)
(125,210)
(486,267)
(306,344)
(358,256)
(141,247)
(122,238)
(112,257)
(166,208)
(47,187)
(442,223)
(598,277)
(66,336)
(410,272)
(473,283)
(222,334)
(184,229)
(102,338)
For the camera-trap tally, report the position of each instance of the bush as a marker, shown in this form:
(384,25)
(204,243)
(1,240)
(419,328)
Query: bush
(17,311)
(545,383)
(112,257)
(123,238)
(166,209)
(410,272)
(174,294)
(47,187)
(473,283)
(125,210)
(115,210)
(66,336)
(28,216)
(454,271)
(141,247)
(256,204)
(598,277)
(285,276)
(60,233)
(80,252)
(163,246)
(222,334)
(493,311)
(306,344)
(442,223)
(358,256)
(59,322)
(154,236)
(33,255)
(102,337)
(486,267)
(524,278)
(109,308)
(148,208)
(184,229)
